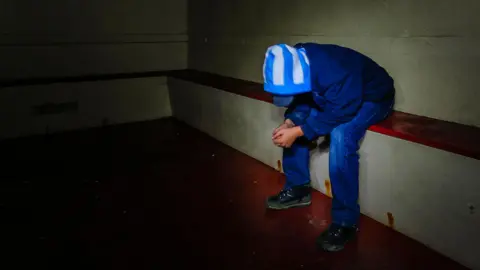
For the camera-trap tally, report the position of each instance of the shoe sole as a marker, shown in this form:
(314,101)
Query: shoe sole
(333,248)
(294,205)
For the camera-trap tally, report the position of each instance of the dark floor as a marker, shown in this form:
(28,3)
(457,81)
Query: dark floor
(160,195)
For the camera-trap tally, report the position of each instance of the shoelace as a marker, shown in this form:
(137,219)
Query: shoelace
(284,193)
(335,232)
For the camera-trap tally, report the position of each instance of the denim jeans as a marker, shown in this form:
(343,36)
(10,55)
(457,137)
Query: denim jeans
(343,161)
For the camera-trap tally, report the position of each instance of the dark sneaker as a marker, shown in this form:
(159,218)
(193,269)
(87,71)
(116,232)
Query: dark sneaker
(292,197)
(335,237)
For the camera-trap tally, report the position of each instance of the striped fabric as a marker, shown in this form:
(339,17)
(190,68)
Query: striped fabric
(286,70)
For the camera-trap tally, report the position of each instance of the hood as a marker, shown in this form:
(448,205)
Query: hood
(286,72)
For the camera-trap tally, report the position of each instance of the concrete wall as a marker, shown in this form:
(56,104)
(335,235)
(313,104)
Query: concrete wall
(96,104)
(428,191)
(430,46)
(74,38)
(70,38)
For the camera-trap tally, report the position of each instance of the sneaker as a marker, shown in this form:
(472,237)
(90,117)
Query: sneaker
(297,196)
(335,237)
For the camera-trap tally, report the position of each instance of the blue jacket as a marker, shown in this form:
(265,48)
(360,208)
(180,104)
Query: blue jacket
(342,79)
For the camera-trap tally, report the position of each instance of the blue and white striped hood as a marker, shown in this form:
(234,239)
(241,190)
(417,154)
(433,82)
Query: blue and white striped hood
(286,71)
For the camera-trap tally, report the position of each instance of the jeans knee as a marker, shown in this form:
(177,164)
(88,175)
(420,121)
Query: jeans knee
(338,134)
(344,139)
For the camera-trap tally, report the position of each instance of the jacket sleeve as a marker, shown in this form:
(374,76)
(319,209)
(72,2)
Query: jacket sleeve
(298,113)
(343,100)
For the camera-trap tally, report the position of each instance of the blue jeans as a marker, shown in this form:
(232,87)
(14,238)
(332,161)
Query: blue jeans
(343,161)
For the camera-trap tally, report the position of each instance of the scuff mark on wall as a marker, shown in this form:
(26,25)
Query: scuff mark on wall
(471,207)
(328,188)
(279,166)
(391,220)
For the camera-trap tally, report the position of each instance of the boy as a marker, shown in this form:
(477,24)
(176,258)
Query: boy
(328,90)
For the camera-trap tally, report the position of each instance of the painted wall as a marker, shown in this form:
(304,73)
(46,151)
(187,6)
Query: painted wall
(70,38)
(96,104)
(429,192)
(74,38)
(430,46)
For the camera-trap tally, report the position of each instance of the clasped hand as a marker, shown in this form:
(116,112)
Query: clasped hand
(286,134)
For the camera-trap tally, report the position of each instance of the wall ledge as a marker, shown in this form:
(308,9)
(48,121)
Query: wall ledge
(448,136)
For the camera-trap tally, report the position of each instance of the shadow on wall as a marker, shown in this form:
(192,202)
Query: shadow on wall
(66,39)
(399,96)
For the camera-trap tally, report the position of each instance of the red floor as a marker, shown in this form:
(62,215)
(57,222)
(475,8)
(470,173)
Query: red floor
(160,195)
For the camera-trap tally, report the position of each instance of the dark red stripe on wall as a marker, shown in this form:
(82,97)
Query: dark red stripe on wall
(237,86)
(452,137)
(81,78)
